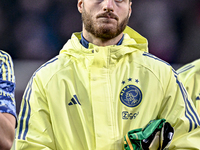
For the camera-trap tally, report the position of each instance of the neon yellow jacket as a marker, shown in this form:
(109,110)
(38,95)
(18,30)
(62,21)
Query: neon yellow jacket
(190,76)
(88,99)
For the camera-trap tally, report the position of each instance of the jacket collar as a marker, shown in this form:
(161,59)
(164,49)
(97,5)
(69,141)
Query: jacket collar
(132,40)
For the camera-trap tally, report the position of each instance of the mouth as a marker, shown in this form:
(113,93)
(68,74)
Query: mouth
(108,16)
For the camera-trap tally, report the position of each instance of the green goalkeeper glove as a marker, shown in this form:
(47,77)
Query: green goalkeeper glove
(157,135)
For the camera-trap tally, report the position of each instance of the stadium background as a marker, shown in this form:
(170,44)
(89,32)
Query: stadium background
(33,31)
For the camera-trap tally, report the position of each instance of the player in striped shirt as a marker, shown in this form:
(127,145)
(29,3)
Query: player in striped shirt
(7,101)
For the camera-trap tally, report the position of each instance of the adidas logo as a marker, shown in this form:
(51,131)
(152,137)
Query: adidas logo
(74,101)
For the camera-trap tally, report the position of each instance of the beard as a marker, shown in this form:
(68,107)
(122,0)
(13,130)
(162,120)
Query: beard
(102,30)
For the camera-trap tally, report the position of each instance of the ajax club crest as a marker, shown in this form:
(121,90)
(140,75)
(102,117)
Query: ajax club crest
(131,96)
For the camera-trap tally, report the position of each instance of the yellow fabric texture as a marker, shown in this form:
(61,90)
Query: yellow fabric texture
(190,76)
(88,99)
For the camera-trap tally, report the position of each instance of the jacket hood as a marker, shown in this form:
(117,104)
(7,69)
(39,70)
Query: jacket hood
(132,39)
(131,35)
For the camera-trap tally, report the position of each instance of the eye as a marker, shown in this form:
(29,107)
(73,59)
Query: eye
(118,0)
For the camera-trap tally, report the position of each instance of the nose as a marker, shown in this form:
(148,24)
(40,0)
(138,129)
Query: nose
(108,6)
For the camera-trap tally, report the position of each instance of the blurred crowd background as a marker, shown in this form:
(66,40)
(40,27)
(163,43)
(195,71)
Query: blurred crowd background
(33,31)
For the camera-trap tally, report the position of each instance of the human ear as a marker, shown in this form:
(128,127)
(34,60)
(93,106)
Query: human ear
(80,5)
(130,9)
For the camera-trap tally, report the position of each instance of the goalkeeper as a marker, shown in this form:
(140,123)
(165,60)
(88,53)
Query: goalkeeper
(103,84)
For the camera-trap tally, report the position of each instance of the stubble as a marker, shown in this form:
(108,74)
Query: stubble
(101,29)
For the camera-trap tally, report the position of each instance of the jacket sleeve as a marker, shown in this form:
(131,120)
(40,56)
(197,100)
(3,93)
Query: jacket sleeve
(179,110)
(34,131)
(7,85)
(191,81)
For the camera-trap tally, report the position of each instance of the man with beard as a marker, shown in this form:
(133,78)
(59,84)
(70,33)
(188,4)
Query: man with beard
(103,84)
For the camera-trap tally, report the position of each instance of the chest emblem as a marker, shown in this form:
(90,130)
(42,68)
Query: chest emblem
(131,96)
